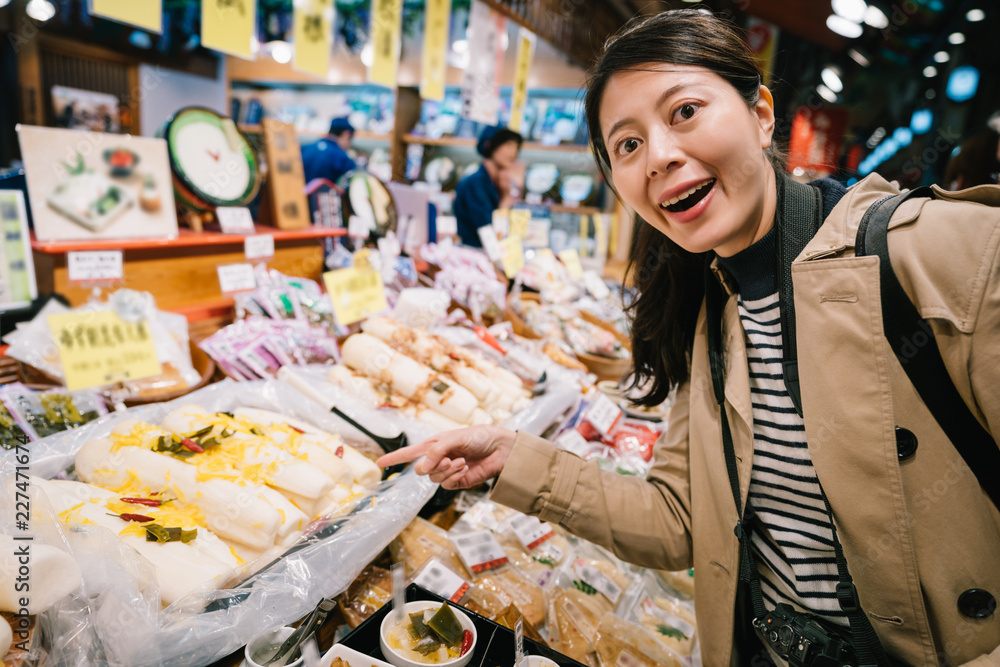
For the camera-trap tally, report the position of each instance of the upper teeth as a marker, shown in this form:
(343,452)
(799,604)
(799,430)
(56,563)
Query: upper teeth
(685,195)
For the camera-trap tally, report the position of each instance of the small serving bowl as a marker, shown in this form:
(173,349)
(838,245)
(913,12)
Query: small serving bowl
(269,638)
(395,658)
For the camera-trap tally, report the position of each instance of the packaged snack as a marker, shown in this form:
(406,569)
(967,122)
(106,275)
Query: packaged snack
(365,595)
(658,609)
(622,644)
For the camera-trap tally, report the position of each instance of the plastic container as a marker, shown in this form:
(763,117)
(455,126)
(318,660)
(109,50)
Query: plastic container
(270,638)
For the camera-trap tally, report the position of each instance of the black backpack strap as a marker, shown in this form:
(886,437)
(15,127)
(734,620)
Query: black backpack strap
(901,321)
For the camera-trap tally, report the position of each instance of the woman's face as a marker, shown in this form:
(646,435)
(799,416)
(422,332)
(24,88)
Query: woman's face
(687,155)
(505,154)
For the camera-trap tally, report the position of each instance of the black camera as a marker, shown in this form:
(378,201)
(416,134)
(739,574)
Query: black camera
(803,640)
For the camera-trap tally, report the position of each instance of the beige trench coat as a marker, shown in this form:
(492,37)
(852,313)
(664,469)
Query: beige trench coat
(916,533)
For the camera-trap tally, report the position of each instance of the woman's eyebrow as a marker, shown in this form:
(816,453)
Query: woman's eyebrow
(664,96)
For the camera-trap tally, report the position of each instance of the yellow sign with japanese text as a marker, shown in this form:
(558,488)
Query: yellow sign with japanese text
(511,255)
(434,67)
(525,47)
(519,219)
(571,260)
(584,233)
(98,348)
(313,36)
(228,26)
(145,14)
(355,293)
(387,28)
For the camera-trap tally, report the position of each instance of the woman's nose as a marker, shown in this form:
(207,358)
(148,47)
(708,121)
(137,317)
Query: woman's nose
(663,153)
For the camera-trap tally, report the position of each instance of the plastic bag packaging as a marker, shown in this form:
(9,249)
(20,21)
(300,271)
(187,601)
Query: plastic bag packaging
(619,643)
(660,611)
(117,618)
(51,411)
(13,429)
(681,581)
(365,595)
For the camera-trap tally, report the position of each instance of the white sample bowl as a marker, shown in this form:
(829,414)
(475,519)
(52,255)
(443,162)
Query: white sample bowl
(391,655)
(539,661)
(269,638)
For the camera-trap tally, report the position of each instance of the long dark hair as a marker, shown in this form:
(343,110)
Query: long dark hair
(669,279)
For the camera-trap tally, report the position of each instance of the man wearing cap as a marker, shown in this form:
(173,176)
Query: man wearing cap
(327,158)
(491,186)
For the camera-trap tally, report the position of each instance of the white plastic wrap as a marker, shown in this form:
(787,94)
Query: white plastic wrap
(116,617)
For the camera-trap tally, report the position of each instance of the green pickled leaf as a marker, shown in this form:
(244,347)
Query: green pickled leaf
(420,629)
(157,533)
(584,587)
(446,625)
(427,645)
(203,432)
(668,631)
(188,535)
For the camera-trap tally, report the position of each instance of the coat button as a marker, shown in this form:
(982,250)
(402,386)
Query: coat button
(977,603)
(906,443)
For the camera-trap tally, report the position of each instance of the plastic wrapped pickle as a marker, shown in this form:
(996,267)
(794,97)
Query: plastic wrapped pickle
(622,644)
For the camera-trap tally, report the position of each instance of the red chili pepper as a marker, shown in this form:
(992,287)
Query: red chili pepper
(191,445)
(454,355)
(340,452)
(148,502)
(297,430)
(141,518)
(466,642)
(385,406)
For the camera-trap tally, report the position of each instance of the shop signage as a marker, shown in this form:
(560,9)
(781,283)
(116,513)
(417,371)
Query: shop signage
(313,36)
(145,14)
(387,28)
(355,293)
(228,26)
(481,82)
(236,278)
(525,49)
(96,267)
(286,180)
(434,67)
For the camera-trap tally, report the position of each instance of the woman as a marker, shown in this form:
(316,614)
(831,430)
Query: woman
(683,126)
(491,187)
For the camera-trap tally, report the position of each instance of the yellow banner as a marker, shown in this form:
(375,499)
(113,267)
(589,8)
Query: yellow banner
(98,348)
(355,293)
(313,36)
(386,30)
(525,47)
(519,219)
(571,259)
(434,68)
(145,14)
(511,255)
(584,233)
(228,26)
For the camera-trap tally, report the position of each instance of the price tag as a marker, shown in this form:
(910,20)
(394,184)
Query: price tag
(511,255)
(235,219)
(529,531)
(439,579)
(447,225)
(488,237)
(518,642)
(236,278)
(603,414)
(595,285)
(573,441)
(519,219)
(571,259)
(260,246)
(480,551)
(355,293)
(359,227)
(98,348)
(593,577)
(92,267)
(501,222)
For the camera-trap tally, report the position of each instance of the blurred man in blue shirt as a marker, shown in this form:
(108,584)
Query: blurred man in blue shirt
(492,187)
(327,158)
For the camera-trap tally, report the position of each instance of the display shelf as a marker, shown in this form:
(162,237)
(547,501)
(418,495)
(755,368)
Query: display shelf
(186,238)
(460,142)
(361,135)
(579,210)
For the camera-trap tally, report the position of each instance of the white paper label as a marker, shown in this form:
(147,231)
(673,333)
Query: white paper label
(488,237)
(595,285)
(260,246)
(594,577)
(103,265)
(662,615)
(480,551)
(530,532)
(603,414)
(519,642)
(358,227)
(236,278)
(439,579)
(447,225)
(235,219)
(571,440)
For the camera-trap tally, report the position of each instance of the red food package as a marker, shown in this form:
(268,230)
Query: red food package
(587,430)
(635,438)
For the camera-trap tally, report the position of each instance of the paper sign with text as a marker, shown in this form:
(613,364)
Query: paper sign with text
(511,255)
(94,267)
(228,26)
(259,246)
(571,259)
(519,219)
(145,14)
(603,414)
(355,293)
(236,278)
(480,551)
(235,219)
(98,348)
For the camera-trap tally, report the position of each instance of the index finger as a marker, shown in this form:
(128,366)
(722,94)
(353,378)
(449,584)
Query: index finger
(405,454)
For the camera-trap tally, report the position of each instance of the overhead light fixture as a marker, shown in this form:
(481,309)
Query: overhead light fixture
(858,57)
(941,57)
(930,71)
(368,55)
(956,38)
(4,3)
(877,136)
(280,51)
(921,121)
(826,93)
(40,10)
(930,93)
(831,79)
(903,136)
(842,26)
(975,15)
(962,84)
(138,38)
(852,10)
(876,18)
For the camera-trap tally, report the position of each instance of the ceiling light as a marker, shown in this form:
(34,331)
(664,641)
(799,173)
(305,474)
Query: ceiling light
(962,84)
(852,10)
(832,81)
(921,121)
(956,38)
(903,136)
(4,3)
(368,55)
(40,10)
(975,15)
(826,93)
(857,57)
(941,57)
(842,26)
(930,93)
(876,18)
(280,51)
(930,71)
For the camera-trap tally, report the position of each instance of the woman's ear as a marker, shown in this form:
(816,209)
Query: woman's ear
(764,109)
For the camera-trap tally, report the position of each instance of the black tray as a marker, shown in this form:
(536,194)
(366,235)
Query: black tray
(494,646)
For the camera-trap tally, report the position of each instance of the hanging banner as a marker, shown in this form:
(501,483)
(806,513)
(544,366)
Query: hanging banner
(481,83)
(145,14)
(762,38)
(228,26)
(434,68)
(525,49)
(386,31)
(816,139)
(313,36)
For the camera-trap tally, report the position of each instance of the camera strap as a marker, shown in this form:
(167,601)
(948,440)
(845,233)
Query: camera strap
(798,216)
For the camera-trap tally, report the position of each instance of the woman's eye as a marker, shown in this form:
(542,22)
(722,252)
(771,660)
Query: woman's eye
(628,146)
(687,111)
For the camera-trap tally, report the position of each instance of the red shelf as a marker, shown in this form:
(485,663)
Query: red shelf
(185,239)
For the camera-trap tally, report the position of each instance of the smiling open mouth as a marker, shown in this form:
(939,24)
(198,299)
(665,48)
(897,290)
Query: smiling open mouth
(688,199)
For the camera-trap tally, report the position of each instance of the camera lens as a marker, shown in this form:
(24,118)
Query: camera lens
(773,636)
(785,635)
